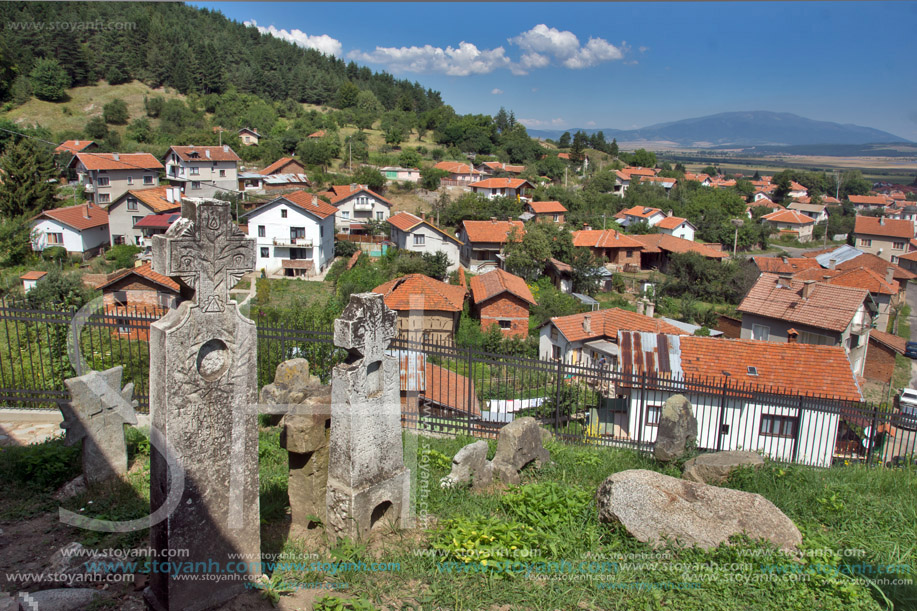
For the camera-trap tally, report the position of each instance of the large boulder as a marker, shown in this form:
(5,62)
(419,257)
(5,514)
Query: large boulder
(470,466)
(676,430)
(714,468)
(519,444)
(653,507)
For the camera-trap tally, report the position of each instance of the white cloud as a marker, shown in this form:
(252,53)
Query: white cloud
(460,61)
(558,122)
(497,91)
(541,42)
(644,49)
(590,123)
(323,42)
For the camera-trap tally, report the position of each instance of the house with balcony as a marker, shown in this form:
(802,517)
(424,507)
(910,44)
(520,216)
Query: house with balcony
(516,188)
(885,238)
(81,230)
(202,171)
(639,214)
(294,234)
(885,291)
(483,242)
(419,234)
(544,212)
(127,211)
(785,310)
(107,176)
(356,204)
(861,203)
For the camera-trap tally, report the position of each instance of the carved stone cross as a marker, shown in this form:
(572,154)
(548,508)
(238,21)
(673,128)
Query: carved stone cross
(206,251)
(365,328)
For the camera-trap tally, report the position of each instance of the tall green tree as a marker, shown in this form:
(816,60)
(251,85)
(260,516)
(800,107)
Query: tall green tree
(25,189)
(49,80)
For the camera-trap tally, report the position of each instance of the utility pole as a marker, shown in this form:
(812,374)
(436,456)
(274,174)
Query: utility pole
(565,177)
(350,155)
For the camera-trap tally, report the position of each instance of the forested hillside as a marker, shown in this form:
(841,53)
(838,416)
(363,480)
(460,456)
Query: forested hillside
(191,50)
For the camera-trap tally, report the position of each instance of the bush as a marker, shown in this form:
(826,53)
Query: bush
(122,255)
(49,80)
(46,465)
(345,249)
(57,254)
(115,112)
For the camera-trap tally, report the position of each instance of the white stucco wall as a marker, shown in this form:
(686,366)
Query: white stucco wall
(319,231)
(433,240)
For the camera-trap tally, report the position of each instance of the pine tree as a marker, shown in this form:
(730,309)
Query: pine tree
(27,169)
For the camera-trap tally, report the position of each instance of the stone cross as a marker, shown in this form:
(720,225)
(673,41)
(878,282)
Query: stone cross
(98,410)
(202,400)
(368,484)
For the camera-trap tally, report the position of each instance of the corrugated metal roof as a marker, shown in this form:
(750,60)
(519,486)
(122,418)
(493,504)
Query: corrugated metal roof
(650,353)
(841,254)
(411,367)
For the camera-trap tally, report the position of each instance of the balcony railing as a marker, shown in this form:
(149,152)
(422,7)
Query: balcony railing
(293,242)
(362,206)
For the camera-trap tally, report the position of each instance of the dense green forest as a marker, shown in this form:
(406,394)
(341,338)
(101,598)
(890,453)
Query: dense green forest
(191,50)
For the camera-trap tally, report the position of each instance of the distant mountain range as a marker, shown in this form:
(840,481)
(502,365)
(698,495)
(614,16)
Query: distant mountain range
(741,129)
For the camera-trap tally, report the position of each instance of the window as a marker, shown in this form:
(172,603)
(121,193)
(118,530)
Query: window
(195,171)
(260,231)
(283,213)
(505,324)
(761,332)
(222,173)
(630,253)
(136,219)
(120,298)
(556,218)
(147,180)
(321,231)
(131,203)
(807,337)
(118,239)
(554,333)
(419,239)
(130,180)
(894,259)
(865,242)
(103,181)
(265,253)
(380,216)
(345,214)
(898,245)
(195,184)
(777,426)
(55,238)
(104,198)
(555,352)
(653,412)
(297,232)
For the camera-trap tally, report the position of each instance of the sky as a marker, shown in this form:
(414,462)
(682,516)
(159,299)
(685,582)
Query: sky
(624,65)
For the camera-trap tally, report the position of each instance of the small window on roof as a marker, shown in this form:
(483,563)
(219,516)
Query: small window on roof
(752,371)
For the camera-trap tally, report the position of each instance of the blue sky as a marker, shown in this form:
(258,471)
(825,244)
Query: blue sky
(626,65)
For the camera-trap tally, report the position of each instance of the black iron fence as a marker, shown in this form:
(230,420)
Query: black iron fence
(465,390)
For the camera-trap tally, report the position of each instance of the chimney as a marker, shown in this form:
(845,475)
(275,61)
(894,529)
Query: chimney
(116,156)
(493,219)
(807,287)
(207,153)
(832,263)
(169,196)
(353,186)
(86,211)
(785,260)
(650,308)
(783,281)
(881,220)
(77,142)
(889,274)
(587,326)
(225,148)
(461,276)
(791,336)
(669,213)
(641,306)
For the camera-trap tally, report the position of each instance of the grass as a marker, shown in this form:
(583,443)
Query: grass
(852,520)
(284,293)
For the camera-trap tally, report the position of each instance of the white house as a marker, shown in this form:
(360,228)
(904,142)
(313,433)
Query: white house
(800,428)
(418,234)
(30,280)
(502,187)
(202,171)
(294,234)
(81,229)
(107,176)
(356,204)
(639,214)
(678,227)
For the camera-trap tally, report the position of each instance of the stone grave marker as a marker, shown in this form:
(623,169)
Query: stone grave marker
(203,392)
(97,412)
(368,483)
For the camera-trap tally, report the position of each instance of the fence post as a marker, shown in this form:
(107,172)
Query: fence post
(641,415)
(872,443)
(558,381)
(796,431)
(470,397)
(722,418)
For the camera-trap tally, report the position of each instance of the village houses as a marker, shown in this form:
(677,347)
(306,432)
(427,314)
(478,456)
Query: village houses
(81,230)
(791,223)
(356,204)
(885,238)
(517,188)
(202,171)
(544,212)
(127,211)
(107,176)
(419,234)
(428,310)
(503,299)
(483,242)
(619,250)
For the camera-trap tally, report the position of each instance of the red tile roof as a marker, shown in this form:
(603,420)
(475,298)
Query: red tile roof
(640,211)
(607,323)
(657,242)
(827,307)
(873,262)
(277,165)
(492,231)
(449,389)
(864,278)
(124,161)
(73,146)
(604,238)
(310,203)
(319,134)
(791,217)
(455,167)
(428,294)
(504,167)
(33,275)
(144,271)
(501,183)
(889,228)
(217,153)
(76,216)
(340,193)
(155,198)
(405,221)
(868,200)
(496,282)
(671,222)
(795,186)
(547,207)
(636,171)
(784,265)
(898,344)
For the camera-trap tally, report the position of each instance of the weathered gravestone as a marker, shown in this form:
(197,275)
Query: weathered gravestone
(202,399)
(367,481)
(97,412)
(677,429)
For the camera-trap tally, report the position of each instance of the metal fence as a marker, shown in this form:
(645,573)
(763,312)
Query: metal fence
(466,390)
